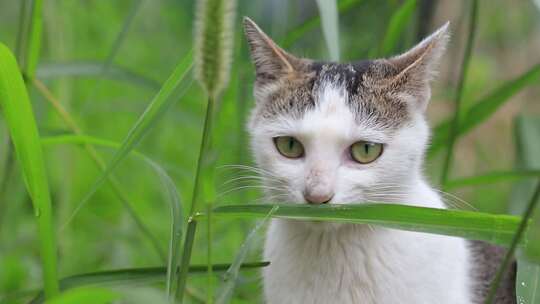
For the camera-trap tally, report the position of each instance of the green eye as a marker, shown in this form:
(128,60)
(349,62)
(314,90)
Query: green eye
(365,152)
(289,146)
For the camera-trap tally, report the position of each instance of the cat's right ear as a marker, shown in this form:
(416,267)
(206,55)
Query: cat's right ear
(271,62)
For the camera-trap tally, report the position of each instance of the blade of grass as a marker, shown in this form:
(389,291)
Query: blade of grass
(514,244)
(93,69)
(329,15)
(24,134)
(231,276)
(396,27)
(454,129)
(179,79)
(496,229)
(28,44)
(492,177)
(484,108)
(34,39)
(310,24)
(100,163)
(22,32)
(134,276)
(527,131)
(170,188)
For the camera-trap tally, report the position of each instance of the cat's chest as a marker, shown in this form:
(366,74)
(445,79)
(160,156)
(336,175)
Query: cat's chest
(353,267)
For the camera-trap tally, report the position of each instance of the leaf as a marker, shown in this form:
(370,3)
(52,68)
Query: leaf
(34,39)
(231,276)
(134,276)
(528,156)
(86,295)
(28,43)
(396,27)
(492,177)
(496,229)
(298,32)
(92,69)
(172,194)
(330,26)
(483,109)
(178,80)
(24,134)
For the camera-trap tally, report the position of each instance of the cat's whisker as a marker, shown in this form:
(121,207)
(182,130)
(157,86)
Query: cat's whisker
(263,187)
(251,178)
(456,198)
(257,170)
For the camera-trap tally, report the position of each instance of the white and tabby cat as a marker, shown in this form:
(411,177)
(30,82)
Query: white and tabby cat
(326,133)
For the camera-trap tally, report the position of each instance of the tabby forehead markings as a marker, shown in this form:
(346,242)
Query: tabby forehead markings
(300,94)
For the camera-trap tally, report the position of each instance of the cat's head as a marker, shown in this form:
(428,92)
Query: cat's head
(325,132)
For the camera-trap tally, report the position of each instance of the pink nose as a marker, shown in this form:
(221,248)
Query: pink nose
(318,198)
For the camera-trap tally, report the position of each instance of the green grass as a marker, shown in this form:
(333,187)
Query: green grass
(456,121)
(127,142)
(19,116)
(497,229)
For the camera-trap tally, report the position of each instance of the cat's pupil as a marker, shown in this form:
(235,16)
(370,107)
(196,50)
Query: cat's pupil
(366,148)
(291,143)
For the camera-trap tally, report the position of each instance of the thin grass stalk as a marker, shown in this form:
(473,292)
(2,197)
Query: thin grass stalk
(190,233)
(21,32)
(100,163)
(34,38)
(513,246)
(459,92)
(210,277)
(186,257)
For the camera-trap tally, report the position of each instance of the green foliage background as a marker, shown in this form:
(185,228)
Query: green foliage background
(105,60)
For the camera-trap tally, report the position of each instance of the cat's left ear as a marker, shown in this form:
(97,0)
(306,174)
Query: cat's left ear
(412,71)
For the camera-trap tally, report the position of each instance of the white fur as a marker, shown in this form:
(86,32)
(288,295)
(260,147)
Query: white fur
(345,263)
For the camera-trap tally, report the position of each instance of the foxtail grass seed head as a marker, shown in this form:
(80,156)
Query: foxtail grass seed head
(214,43)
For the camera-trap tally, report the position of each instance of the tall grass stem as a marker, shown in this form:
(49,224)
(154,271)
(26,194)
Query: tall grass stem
(186,257)
(190,233)
(473,17)
(513,246)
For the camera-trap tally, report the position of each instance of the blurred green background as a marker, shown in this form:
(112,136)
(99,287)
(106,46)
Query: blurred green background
(143,40)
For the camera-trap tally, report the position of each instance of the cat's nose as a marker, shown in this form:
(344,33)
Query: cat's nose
(318,198)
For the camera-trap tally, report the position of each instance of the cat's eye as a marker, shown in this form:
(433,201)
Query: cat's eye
(289,146)
(365,152)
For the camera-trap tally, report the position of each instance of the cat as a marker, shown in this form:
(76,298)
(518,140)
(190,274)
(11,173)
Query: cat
(329,133)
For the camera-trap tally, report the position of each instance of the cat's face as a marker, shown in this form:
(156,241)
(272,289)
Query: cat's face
(339,133)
